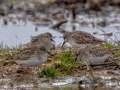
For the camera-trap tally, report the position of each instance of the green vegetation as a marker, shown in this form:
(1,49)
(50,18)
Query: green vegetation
(117,52)
(107,44)
(6,52)
(62,63)
(67,62)
(110,45)
(64,66)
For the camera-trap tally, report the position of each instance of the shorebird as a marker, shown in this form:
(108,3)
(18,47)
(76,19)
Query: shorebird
(93,55)
(31,56)
(44,39)
(80,39)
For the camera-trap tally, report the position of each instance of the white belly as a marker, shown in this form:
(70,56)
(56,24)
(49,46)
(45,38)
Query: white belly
(33,61)
(96,60)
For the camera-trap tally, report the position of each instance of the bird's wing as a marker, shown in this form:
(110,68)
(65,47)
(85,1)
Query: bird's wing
(85,38)
(23,54)
(99,51)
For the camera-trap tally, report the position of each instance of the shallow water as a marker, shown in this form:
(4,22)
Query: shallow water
(60,83)
(14,35)
(21,26)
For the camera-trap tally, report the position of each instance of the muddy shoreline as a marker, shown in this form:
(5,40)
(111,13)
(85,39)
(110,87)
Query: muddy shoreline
(29,18)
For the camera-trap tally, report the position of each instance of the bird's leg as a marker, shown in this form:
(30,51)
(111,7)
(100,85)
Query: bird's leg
(26,69)
(89,69)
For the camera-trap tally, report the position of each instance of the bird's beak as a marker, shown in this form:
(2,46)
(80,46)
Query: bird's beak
(53,48)
(63,43)
(53,40)
(50,53)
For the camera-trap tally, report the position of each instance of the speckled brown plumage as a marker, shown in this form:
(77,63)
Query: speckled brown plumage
(93,54)
(31,56)
(79,38)
(44,39)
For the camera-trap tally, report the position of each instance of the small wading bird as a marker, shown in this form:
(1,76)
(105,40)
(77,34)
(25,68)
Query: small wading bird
(44,39)
(31,56)
(93,55)
(80,39)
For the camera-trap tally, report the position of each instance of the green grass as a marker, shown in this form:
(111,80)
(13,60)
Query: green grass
(117,52)
(6,52)
(109,45)
(64,68)
(67,65)
(63,63)
(48,72)
(67,61)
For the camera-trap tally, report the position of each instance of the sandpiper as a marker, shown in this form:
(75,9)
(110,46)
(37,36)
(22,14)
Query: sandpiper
(31,56)
(80,39)
(44,39)
(93,55)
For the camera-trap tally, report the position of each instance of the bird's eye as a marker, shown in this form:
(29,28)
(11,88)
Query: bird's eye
(46,36)
(42,49)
